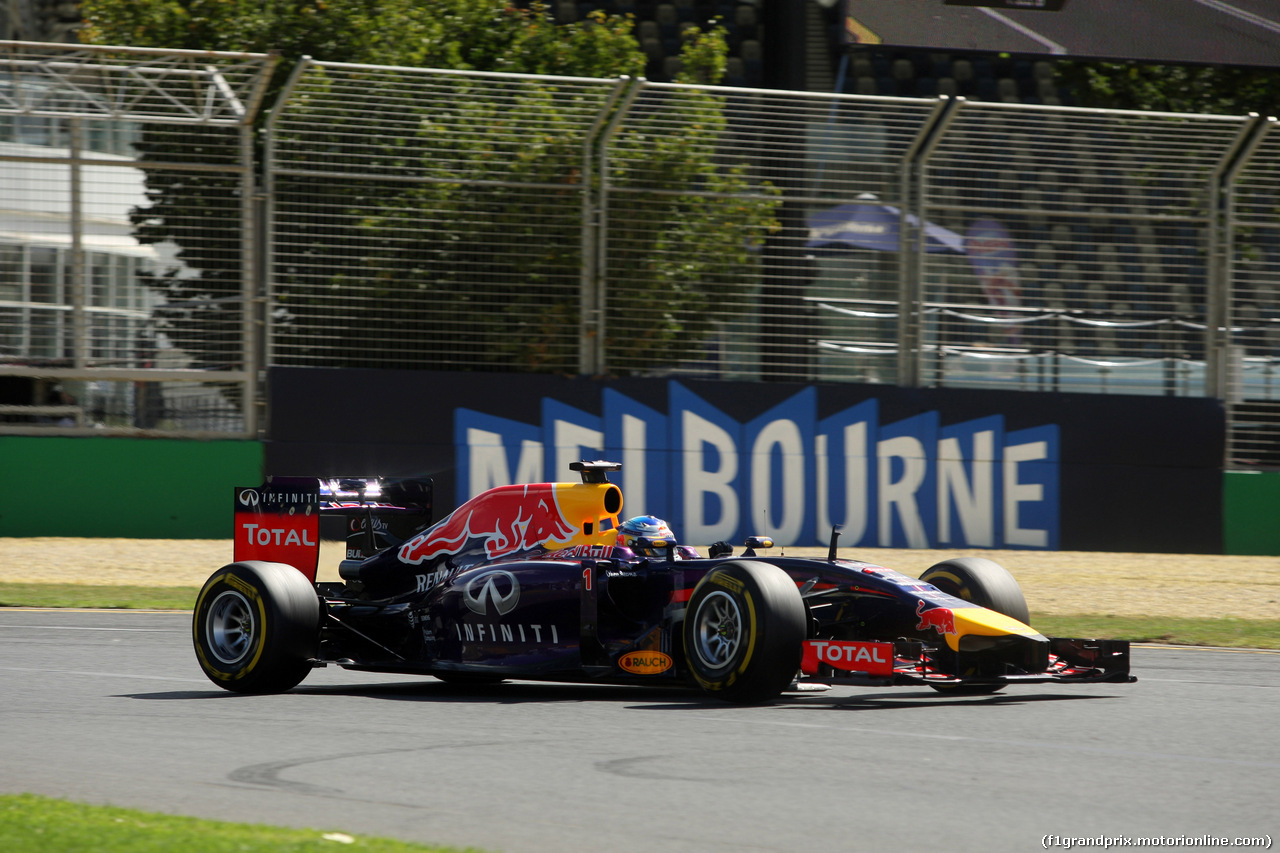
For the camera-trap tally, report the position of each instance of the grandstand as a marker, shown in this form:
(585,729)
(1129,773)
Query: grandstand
(663,27)
(865,70)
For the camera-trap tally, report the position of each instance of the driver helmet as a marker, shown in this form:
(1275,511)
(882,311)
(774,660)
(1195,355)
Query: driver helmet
(656,531)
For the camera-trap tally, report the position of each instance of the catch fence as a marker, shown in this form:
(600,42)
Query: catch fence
(127,239)
(1251,308)
(428,219)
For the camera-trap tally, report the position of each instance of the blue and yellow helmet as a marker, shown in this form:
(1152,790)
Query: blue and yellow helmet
(655,533)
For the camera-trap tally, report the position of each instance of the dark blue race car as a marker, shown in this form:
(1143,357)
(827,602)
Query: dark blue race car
(544,581)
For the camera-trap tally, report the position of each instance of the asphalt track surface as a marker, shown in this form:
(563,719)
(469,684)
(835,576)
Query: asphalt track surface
(110,707)
(1245,32)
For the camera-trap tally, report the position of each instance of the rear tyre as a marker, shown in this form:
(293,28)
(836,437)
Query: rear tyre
(987,584)
(256,627)
(744,631)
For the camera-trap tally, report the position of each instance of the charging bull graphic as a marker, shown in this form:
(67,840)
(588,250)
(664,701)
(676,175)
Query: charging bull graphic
(940,619)
(515,519)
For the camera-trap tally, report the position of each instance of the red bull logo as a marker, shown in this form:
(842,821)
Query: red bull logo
(940,619)
(512,519)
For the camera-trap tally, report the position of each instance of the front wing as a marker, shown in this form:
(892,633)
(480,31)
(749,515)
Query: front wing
(906,662)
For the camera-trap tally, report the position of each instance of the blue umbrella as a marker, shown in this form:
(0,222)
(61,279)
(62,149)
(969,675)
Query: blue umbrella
(873,226)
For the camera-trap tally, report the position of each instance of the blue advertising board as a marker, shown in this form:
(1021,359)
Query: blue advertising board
(786,474)
(893,467)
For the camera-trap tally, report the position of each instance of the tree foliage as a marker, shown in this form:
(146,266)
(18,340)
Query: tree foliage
(1214,89)
(446,289)
(485,35)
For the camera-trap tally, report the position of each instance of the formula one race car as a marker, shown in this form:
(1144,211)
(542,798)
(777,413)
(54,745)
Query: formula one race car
(539,582)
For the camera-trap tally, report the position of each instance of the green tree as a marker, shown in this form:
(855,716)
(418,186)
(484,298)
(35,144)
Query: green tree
(686,259)
(462,34)
(1214,89)
(450,270)
(464,263)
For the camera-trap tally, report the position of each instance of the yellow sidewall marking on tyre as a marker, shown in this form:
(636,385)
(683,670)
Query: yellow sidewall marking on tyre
(751,643)
(732,584)
(242,586)
(261,638)
(963,590)
(197,627)
(246,589)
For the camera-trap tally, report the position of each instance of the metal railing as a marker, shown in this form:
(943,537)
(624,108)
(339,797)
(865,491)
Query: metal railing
(420,218)
(428,218)
(1251,312)
(127,238)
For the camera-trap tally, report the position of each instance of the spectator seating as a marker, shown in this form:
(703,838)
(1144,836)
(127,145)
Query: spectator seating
(874,70)
(663,26)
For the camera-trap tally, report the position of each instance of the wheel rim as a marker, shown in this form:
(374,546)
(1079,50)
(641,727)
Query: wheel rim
(229,627)
(717,630)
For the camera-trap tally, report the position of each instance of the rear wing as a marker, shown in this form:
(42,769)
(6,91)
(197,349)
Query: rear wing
(279,521)
(380,513)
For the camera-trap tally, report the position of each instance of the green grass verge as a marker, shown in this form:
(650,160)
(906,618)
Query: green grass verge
(31,824)
(1236,633)
(1232,633)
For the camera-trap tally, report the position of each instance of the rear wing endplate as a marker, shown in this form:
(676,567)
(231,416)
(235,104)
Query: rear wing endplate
(279,521)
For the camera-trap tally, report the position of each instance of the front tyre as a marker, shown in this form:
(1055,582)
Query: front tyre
(987,584)
(984,582)
(744,631)
(256,627)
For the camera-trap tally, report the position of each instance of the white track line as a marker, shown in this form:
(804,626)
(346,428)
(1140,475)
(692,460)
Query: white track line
(1249,17)
(1050,44)
(102,674)
(91,628)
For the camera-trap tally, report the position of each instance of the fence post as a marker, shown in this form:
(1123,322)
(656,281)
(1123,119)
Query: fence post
(253,306)
(95,313)
(1218,274)
(76,279)
(267,294)
(592,356)
(254,204)
(910,261)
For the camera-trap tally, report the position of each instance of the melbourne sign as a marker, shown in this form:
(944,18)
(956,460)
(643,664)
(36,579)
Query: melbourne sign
(787,473)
